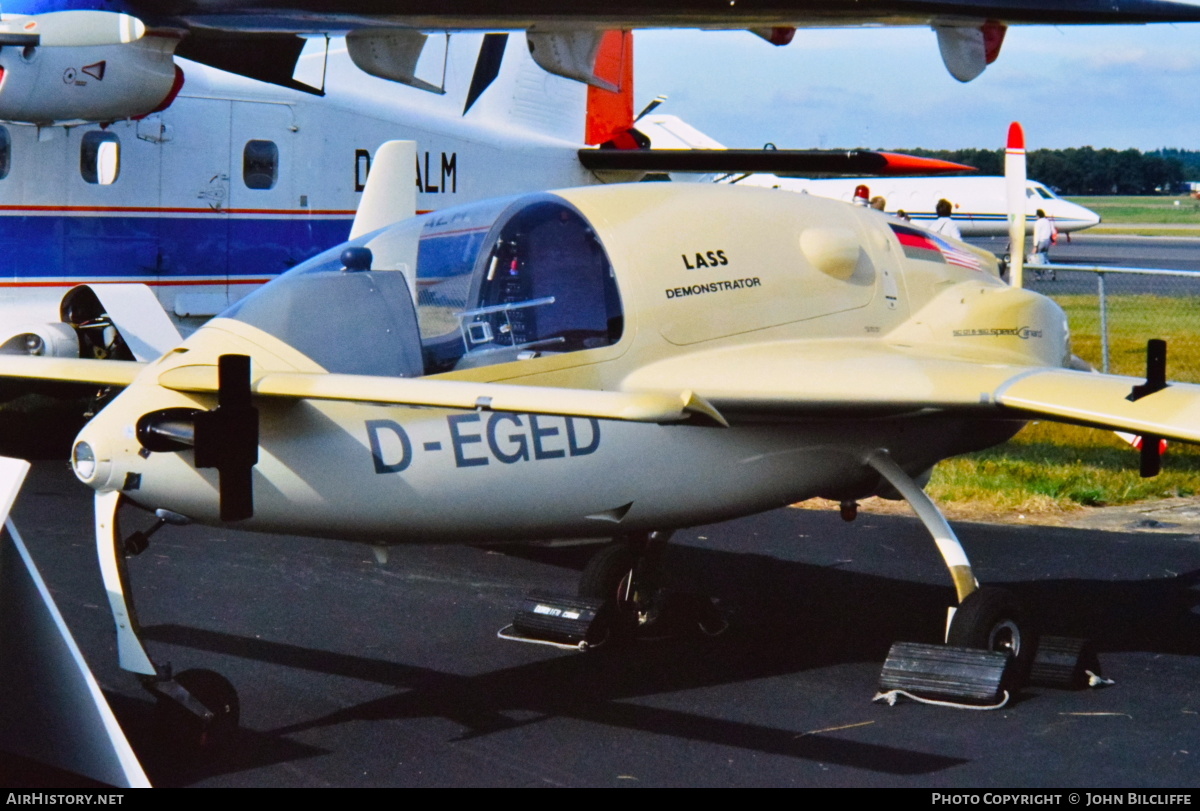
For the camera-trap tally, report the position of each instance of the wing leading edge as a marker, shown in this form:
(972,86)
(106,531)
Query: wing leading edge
(71,370)
(818,380)
(647,406)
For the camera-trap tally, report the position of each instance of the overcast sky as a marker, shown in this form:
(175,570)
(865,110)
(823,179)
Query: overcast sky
(1110,86)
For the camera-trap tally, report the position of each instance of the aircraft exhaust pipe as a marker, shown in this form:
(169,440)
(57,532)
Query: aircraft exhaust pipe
(168,430)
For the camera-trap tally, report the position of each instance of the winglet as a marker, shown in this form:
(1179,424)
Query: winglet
(1016,136)
(1014,177)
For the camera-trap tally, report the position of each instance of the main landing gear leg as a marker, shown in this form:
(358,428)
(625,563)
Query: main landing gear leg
(986,617)
(198,708)
(627,575)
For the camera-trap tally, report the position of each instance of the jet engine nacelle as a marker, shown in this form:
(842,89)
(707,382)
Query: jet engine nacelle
(78,84)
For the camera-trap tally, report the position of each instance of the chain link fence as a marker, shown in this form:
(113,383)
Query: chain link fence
(1114,311)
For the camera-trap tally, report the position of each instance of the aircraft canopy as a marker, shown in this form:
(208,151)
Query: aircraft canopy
(469,286)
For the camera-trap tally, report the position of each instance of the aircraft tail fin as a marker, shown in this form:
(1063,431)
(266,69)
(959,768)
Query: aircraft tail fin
(610,113)
(390,195)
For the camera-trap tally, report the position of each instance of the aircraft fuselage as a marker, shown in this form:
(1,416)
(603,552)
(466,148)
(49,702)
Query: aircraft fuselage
(637,313)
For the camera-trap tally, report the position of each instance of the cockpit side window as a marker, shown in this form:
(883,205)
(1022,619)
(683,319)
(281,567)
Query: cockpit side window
(493,282)
(541,284)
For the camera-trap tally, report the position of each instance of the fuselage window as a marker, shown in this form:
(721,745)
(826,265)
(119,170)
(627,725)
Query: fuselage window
(260,164)
(5,153)
(100,158)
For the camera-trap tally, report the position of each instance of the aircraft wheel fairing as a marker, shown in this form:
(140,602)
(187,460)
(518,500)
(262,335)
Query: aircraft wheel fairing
(992,619)
(191,733)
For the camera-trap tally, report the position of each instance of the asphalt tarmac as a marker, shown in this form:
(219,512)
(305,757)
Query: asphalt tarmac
(1170,253)
(352,673)
(1162,253)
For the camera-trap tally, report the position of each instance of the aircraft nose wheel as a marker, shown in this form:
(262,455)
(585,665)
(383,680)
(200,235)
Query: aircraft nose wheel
(627,576)
(992,619)
(184,726)
(615,576)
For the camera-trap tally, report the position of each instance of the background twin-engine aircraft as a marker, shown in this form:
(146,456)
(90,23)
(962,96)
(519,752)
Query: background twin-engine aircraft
(236,181)
(615,360)
(259,38)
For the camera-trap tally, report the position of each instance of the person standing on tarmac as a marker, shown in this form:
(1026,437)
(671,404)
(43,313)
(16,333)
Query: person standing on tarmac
(1044,233)
(944,225)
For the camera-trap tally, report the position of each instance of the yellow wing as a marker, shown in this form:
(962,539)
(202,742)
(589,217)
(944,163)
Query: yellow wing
(811,379)
(844,379)
(71,370)
(651,406)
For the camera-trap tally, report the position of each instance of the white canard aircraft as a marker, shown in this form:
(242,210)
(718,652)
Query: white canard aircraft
(234,181)
(623,360)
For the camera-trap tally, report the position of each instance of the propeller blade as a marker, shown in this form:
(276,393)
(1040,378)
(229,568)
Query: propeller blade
(1014,181)
(649,108)
(227,437)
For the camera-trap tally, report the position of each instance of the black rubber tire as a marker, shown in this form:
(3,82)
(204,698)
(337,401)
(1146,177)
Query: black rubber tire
(193,734)
(992,619)
(1063,663)
(609,576)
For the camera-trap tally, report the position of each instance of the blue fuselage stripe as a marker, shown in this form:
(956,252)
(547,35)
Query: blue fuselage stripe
(168,247)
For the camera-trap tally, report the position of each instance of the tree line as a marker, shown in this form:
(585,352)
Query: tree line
(1088,171)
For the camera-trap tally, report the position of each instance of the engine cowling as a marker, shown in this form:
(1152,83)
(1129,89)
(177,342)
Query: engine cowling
(78,84)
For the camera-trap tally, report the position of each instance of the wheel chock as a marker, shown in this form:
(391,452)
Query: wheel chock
(946,675)
(1065,663)
(569,623)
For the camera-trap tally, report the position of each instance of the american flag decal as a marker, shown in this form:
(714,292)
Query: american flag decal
(920,244)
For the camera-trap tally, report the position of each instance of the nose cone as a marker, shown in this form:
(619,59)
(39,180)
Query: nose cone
(1074,217)
(103,454)
(91,460)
